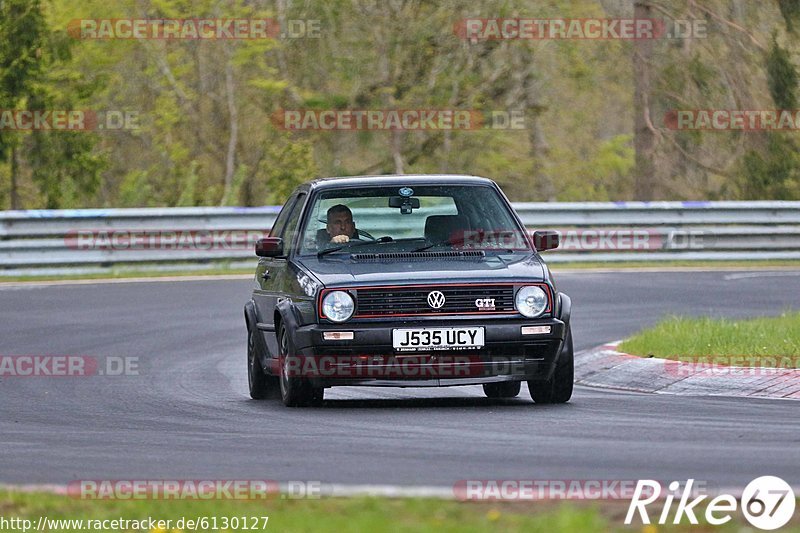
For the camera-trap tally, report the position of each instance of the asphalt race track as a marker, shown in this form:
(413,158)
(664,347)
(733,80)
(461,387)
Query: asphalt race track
(187,414)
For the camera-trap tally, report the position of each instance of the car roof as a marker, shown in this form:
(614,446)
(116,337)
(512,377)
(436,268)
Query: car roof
(395,179)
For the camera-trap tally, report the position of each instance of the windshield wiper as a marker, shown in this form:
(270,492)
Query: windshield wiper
(441,243)
(351,244)
(429,246)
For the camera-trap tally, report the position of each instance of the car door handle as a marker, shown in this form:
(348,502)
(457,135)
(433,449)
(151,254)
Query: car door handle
(265,275)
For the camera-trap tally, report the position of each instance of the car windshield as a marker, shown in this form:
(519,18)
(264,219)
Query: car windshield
(406,219)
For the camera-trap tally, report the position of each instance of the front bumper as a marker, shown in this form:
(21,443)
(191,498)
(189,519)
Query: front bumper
(370,359)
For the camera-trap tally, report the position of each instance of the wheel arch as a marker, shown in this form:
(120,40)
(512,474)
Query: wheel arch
(251,322)
(286,314)
(564,308)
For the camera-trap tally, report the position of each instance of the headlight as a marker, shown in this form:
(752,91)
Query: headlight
(531,301)
(338,306)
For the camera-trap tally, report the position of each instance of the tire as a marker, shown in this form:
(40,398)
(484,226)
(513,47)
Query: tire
(557,389)
(295,391)
(262,386)
(504,389)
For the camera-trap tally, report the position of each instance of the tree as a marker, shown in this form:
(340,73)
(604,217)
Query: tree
(35,75)
(22,39)
(643,130)
(773,169)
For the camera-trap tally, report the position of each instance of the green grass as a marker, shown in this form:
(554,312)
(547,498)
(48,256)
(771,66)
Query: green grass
(330,514)
(766,341)
(352,514)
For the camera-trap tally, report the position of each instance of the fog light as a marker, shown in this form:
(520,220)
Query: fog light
(535,330)
(337,335)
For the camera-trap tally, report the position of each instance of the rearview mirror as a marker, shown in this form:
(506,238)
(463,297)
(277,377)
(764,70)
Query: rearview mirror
(401,201)
(269,247)
(546,240)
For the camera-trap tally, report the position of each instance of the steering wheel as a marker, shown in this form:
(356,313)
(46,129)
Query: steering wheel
(362,233)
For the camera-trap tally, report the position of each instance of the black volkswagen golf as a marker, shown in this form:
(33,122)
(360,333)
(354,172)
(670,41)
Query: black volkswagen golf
(405,281)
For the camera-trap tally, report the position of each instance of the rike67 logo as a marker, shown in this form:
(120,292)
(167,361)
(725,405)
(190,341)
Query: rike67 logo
(767,502)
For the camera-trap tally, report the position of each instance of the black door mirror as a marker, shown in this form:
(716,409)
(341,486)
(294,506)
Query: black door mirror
(546,240)
(269,247)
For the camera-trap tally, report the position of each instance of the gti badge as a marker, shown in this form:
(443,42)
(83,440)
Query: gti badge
(435,299)
(485,304)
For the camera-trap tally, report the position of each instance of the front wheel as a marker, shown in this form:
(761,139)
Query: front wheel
(505,389)
(557,389)
(295,390)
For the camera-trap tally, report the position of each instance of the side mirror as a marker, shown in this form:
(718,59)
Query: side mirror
(269,247)
(546,240)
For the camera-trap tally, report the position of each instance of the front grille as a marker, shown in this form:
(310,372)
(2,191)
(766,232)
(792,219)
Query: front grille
(411,301)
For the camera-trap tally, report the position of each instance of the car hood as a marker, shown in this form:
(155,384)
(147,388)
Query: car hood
(341,270)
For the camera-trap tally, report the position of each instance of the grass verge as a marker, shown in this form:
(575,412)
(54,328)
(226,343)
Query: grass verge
(330,514)
(765,341)
(338,514)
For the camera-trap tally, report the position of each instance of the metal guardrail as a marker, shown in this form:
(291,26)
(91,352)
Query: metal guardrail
(49,241)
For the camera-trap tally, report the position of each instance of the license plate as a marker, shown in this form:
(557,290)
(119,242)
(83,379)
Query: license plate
(426,339)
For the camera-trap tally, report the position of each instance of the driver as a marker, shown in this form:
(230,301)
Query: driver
(341,227)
